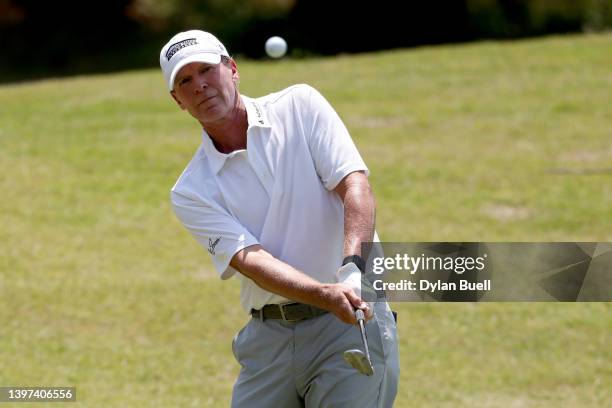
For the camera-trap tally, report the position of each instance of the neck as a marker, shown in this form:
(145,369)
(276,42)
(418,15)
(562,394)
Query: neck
(230,134)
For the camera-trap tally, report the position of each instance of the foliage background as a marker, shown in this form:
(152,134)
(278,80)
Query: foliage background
(39,39)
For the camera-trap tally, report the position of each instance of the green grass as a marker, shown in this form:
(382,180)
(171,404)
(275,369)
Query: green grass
(101,288)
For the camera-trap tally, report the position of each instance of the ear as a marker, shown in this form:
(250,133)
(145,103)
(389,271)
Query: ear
(235,73)
(178,102)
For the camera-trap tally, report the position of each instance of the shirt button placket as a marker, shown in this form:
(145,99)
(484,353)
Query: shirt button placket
(262,174)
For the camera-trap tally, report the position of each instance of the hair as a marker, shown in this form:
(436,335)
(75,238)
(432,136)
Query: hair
(226,61)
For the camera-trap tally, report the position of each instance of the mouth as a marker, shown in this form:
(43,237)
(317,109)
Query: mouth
(206,100)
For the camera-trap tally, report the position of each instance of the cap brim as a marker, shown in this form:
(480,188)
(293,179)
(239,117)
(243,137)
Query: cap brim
(208,58)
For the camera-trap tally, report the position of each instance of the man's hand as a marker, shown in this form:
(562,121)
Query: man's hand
(341,300)
(351,275)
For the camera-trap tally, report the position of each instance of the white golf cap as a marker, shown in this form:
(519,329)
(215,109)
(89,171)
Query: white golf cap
(186,47)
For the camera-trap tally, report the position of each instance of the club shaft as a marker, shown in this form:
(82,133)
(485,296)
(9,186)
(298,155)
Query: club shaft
(365,340)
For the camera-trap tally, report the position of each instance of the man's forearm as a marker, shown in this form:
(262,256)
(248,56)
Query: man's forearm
(275,276)
(359,213)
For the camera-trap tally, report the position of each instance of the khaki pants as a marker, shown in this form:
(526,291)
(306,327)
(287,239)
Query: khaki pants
(301,364)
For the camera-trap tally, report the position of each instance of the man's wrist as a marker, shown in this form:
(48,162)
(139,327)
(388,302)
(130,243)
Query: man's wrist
(357,260)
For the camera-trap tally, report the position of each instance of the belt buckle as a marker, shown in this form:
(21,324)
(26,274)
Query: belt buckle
(281,307)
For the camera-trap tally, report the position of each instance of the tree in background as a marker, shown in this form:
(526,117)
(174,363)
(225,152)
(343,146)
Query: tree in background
(54,36)
(41,38)
(241,24)
(522,18)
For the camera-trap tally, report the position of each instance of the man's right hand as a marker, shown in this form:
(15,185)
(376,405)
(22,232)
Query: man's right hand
(341,300)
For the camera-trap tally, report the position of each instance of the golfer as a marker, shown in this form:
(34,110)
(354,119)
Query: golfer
(278,194)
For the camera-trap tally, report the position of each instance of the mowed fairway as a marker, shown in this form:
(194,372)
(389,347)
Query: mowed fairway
(101,288)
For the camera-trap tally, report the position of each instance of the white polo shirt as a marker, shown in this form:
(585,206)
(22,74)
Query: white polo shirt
(277,192)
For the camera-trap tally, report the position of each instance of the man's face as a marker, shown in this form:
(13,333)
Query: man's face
(208,92)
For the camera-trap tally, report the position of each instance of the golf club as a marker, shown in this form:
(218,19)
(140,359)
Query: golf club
(355,357)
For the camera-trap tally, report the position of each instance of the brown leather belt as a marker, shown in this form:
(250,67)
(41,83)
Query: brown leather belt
(288,312)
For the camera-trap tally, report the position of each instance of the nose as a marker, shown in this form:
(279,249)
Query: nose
(200,84)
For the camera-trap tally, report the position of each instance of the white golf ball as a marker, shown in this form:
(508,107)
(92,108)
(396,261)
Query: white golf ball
(276,47)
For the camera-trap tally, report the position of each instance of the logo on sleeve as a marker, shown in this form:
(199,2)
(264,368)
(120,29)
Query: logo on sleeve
(212,244)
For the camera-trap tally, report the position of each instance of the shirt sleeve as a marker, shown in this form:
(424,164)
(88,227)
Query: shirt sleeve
(333,151)
(214,228)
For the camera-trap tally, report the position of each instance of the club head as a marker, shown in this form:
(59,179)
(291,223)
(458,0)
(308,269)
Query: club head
(358,360)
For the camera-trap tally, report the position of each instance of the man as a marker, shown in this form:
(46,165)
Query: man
(279,196)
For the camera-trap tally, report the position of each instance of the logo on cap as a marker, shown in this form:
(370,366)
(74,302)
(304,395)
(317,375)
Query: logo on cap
(176,47)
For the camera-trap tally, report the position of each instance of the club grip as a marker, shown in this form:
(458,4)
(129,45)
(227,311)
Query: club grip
(359,314)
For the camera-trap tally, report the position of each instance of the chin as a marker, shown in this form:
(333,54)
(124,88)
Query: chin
(213,114)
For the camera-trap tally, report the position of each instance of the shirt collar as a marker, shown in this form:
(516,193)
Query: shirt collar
(215,158)
(256,117)
(255,113)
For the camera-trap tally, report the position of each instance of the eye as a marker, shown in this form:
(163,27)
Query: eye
(184,81)
(205,69)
